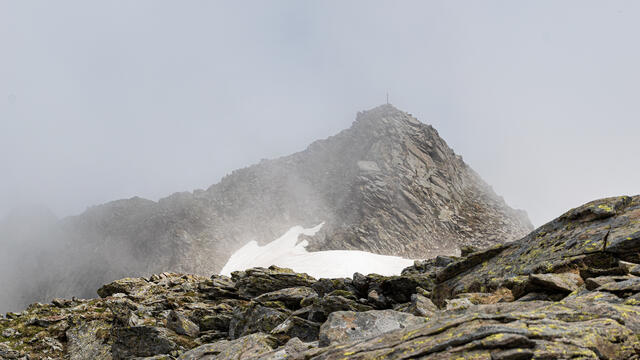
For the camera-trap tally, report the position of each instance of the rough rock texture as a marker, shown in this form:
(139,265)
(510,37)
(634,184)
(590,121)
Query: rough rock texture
(550,295)
(342,326)
(388,185)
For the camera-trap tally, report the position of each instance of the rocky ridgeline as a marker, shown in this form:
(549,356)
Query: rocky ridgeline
(389,185)
(568,290)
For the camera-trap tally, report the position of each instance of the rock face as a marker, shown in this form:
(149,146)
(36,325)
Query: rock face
(568,290)
(388,185)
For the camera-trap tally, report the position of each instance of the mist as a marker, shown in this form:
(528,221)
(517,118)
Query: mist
(108,100)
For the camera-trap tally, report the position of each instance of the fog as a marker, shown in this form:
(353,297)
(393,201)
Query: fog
(114,99)
(107,100)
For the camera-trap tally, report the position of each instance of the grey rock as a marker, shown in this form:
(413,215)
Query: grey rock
(442,261)
(326,286)
(123,286)
(141,341)
(458,304)
(258,281)
(565,282)
(291,350)
(345,326)
(181,324)
(623,288)
(593,283)
(10,332)
(634,269)
(220,287)
(255,318)
(88,341)
(290,297)
(512,354)
(218,322)
(506,330)
(6,352)
(421,306)
(376,300)
(326,305)
(574,240)
(244,348)
(296,327)
(534,296)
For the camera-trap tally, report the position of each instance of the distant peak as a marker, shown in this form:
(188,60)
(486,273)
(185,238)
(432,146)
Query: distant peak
(387,114)
(381,110)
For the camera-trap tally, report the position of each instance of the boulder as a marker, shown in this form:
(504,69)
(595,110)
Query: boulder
(540,330)
(322,307)
(623,288)
(564,283)
(593,283)
(140,341)
(255,318)
(346,326)
(182,325)
(296,327)
(258,281)
(290,297)
(123,286)
(291,350)
(219,287)
(400,288)
(219,321)
(244,348)
(87,341)
(575,240)
(634,269)
(326,286)
(421,306)
(6,352)
(458,304)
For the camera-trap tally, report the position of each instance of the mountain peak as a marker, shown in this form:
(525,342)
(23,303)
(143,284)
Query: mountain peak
(387,185)
(387,114)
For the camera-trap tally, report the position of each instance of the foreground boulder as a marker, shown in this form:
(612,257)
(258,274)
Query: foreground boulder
(569,290)
(247,347)
(492,333)
(349,326)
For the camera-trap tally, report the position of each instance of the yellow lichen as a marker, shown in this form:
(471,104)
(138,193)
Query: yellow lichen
(605,207)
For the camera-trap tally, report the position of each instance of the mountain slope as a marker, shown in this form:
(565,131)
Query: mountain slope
(568,290)
(388,185)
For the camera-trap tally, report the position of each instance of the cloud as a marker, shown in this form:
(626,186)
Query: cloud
(100,101)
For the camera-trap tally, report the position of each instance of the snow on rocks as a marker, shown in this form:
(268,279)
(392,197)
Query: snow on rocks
(288,252)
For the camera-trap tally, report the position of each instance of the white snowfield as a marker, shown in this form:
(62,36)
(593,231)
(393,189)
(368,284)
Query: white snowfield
(284,252)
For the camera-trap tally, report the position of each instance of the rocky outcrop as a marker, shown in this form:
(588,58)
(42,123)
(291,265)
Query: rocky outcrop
(389,185)
(566,291)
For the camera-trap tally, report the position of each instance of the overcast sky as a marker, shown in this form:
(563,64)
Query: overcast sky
(112,99)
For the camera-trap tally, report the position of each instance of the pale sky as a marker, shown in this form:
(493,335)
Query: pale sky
(113,99)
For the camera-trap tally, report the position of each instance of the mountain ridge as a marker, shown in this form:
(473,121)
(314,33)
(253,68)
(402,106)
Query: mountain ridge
(388,185)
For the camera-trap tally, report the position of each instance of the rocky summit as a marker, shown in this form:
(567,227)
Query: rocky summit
(389,185)
(568,290)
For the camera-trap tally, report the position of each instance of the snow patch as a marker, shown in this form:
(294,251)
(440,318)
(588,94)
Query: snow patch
(287,252)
